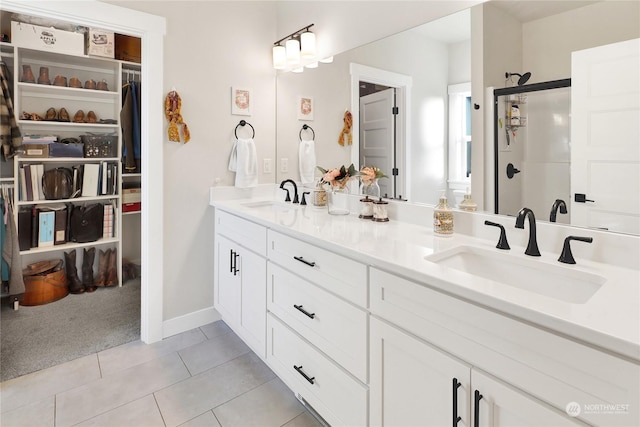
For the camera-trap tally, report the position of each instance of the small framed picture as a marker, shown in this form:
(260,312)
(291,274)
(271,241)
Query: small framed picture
(241,101)
(305,108)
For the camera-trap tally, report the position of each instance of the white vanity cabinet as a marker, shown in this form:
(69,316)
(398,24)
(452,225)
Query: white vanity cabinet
(240,278)
(526,376)
(317,327)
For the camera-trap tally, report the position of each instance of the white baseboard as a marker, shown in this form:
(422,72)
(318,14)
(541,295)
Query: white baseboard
(189,321)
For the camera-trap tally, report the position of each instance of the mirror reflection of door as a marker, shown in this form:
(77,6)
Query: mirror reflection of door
(378,132)
(605,152)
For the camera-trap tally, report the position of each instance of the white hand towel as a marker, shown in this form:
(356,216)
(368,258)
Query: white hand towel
(307,161)
(233,158)
(246,163)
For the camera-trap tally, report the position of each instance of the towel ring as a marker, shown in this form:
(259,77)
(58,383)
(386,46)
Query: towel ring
(243,123)
(305,127)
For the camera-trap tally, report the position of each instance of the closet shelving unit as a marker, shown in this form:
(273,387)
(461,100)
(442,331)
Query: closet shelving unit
(38,98)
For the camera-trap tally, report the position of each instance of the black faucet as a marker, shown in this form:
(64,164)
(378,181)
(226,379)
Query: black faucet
(566,256)
(532,246)
(502,243)
(559,203)
(295,190)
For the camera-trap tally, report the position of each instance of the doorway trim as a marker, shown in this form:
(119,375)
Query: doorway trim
(151,30)
(403,84)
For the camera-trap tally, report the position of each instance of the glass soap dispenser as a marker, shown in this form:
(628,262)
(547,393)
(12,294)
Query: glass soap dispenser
(443,217)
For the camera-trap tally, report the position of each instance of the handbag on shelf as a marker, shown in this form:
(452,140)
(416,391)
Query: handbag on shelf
(86,223)
(57,183)
(96,145)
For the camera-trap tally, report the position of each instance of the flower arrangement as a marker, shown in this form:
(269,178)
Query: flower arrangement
(369,174)
(338,178)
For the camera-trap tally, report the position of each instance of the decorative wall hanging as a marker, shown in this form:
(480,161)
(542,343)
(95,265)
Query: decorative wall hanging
(172,106)
(346,129)
(305,108)
(240,101)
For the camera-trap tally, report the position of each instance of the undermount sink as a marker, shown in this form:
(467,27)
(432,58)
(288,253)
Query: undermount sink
(276,206)
(555,281)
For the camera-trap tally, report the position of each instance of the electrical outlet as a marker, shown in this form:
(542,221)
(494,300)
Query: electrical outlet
(266,166)
(284,165)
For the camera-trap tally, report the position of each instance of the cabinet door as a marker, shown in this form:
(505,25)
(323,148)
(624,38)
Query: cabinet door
(228,286)
(252,269)
(412,383)
(497,404)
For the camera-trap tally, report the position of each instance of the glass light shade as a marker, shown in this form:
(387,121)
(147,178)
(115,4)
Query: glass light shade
(298,70)
(312,65)
(293,51)
(279,57)
(308,45)
(327,60)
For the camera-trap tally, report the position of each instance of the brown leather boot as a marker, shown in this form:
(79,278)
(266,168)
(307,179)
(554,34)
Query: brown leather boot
(43,79)
(75,286)
(60,80)
(112,268)
(27,74)
(103,263)
(87,269)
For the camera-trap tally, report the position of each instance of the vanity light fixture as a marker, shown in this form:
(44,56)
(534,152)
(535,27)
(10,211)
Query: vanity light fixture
(327,60)
(297,70)
(279,57)
(297,45)
(312,65)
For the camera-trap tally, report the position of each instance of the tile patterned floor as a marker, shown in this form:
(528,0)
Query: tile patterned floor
(203,377)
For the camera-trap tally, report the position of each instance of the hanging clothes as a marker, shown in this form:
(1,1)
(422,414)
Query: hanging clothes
(130,119)
(10,136)
(11,254)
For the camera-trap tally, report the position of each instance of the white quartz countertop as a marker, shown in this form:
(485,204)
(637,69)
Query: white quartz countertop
(610,319)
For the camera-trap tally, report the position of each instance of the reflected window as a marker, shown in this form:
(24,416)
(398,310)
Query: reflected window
(460,136)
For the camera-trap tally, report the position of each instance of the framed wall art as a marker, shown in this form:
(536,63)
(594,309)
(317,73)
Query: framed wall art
(305,108)
(240,101)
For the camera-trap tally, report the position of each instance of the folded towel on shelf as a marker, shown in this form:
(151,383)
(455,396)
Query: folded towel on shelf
(244,162)
(307,161)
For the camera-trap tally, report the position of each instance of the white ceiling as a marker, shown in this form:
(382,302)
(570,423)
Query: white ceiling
(456,27)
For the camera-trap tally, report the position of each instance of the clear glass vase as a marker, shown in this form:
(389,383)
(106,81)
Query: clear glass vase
(338,201)
(371,189)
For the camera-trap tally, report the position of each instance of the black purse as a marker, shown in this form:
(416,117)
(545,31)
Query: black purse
(86,223)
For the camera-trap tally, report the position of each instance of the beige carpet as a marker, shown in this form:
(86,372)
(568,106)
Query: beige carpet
(38,337)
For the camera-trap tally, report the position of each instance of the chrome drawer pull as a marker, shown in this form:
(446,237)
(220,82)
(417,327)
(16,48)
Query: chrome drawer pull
(303,311)
(306,377)
(309,263)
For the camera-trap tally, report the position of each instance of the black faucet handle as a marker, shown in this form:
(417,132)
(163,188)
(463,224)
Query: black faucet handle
(288,198)
(295,198)
(304,201)
(566,256)
(502,242)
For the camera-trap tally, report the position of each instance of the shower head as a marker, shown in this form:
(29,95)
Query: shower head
(523,77)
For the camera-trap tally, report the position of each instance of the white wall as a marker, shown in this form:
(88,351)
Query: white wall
(209,47)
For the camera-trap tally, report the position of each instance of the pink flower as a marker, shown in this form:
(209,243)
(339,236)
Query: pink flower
(331,175)
(368,175)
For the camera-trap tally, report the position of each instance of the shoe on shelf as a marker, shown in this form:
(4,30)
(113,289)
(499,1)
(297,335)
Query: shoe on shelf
(78,117)
(91,117)
(63,115)
(75,82)
(27,75)
(60,81)
(102,85)
(90,84)
(43,79)
(51,114)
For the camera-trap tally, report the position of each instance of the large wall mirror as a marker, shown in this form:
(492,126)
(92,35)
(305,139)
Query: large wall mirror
(429,73)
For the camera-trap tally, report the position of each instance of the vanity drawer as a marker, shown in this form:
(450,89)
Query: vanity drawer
(342,276)
(336,396)
(336,327)
(246,233)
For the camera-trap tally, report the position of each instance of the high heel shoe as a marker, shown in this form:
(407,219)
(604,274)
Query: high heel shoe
(63,115)
(78,117)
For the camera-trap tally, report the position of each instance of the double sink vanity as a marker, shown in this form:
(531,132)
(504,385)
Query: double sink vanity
(388,324)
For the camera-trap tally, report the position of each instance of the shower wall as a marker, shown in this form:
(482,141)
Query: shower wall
(540,150)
